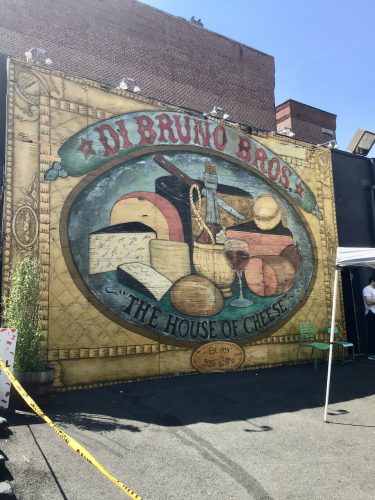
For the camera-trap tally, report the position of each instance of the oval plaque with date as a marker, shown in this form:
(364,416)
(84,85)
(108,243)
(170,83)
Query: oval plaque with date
(217,357)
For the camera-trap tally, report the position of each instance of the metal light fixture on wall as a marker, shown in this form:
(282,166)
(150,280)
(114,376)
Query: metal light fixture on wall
(332,144)
(217,112)
(362,141)
(35,55)
(129,84)
(286,131)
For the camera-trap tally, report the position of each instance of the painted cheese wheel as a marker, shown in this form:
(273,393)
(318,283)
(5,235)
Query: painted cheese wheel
(196,296)
(151,209)
(268,275)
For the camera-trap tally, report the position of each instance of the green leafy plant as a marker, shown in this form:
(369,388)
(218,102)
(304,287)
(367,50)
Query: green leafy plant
(21,311)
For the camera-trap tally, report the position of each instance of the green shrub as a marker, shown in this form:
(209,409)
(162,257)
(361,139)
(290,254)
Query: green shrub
(21,311)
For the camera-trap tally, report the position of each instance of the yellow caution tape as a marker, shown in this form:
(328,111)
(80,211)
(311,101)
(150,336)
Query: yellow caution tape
(70,441)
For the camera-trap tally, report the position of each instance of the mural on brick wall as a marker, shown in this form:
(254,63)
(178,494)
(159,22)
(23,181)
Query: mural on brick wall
(168,242)
(185,229)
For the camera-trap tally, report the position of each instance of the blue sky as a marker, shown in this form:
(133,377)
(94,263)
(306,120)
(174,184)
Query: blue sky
(324,50)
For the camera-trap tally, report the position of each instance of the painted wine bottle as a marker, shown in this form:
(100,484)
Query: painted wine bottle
(212,214)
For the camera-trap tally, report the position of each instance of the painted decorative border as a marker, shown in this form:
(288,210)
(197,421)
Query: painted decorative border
(8,182)
(131,350)
(44,210)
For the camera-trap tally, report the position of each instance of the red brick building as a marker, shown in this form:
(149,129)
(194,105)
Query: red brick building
(305,122)
(171,59)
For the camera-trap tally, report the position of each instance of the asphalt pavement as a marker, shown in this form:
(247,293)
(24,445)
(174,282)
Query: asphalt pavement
(243,435)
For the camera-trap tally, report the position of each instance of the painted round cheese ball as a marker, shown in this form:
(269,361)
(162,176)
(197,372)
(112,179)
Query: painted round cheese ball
(196,296)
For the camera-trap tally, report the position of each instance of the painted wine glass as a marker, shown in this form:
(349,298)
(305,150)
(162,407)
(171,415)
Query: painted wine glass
(238,254)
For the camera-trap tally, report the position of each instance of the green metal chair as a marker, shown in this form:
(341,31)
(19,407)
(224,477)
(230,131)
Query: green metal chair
(308,338)
(343,344)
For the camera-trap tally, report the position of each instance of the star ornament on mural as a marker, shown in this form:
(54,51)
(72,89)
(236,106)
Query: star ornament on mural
(86,148)
(299,189)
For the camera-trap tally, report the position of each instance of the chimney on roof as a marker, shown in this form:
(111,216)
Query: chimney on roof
(197,22)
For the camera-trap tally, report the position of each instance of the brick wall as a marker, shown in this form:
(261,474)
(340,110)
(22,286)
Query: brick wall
(171,59)
(308,123)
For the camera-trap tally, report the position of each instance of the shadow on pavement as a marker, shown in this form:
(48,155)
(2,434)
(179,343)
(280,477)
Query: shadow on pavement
(213,398)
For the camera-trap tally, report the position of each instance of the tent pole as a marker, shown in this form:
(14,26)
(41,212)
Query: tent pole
(355,312)
(331,338)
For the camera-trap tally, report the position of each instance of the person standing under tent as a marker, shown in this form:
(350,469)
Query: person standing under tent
(369,300)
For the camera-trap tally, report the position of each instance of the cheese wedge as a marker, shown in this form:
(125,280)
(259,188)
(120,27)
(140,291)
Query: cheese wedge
(144,279)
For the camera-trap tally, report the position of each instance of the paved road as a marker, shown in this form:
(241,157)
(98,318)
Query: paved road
(245,435)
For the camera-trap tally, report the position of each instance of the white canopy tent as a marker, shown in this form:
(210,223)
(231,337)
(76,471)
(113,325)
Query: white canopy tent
(345,257)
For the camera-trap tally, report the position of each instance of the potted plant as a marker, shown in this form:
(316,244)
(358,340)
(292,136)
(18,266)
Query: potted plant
(21,311)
